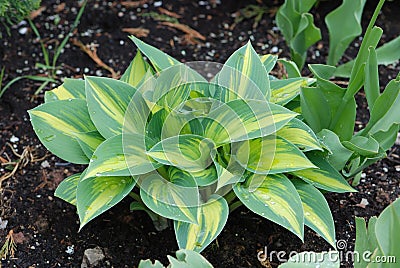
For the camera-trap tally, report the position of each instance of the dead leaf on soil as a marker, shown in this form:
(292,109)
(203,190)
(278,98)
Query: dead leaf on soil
(191,34)
(60,7)
(130,4)
(91,51)
(169,13)
(37,12)
(19,238)
(138,32)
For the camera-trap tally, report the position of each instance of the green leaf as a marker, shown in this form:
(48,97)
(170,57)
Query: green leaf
(96,195)
(363,241)
(177,199)
(389,52)
(66,190)
(271,155)
(107,101)
(386,110)
(324,177)
(371,85)
(291,68)
(300,135)
(56,123)
(338,154)
(283,91)
(313,260)
(362,145)
(387,230)
(158,59)
(70,89)
(244,71)
(113,158)
(388,138)
(348,15)
(275,199)
(269,61)
(240,120)
(211,219)
(184,259)
(317,214)
(89,141)
(188,152)
(136,71)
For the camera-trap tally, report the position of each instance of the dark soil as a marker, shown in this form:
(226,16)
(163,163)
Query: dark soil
(47,227)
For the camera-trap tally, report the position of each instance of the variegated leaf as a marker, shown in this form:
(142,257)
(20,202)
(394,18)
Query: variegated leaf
(271,155)
(107,101)
(70,89)
(136,71)
(275,199)
(211,220)
(177,199)
(98,194)
(244,119)
(324,177)
(66,190)
(269,61)
(158,59)
(317,214)
(285,90)
(300,135)
(89,141)
(188,152)
(115,158)
(243,72)
(56,123)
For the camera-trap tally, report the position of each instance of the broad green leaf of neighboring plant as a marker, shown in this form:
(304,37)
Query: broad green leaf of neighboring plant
(300,135)
(269,61)
(158,59)
(317,214)
(386,110)
(364,146)
(244,71)
(348,15)
(112,159)
(66,190)
(371,84)
(387,230)
(136,71)
(324,177)
(107,101)
(89,141)
(338,155)
(176,199)
(240,120)
(313,260)
(188,152)
(271,155)
(98,194)
(70,89)
(211,219)
(56,123)
(283,91)
(291,69)
(275,199)
(184,259)
(386,139)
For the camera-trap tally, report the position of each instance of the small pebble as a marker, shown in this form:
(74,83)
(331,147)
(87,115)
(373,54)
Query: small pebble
(14,139)
(45,164)
(385,169)
(23,30)
(274,49)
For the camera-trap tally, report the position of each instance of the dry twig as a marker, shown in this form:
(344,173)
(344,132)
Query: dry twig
(91,51)
(130,4)
(9,247)
(191,34)
(138,32)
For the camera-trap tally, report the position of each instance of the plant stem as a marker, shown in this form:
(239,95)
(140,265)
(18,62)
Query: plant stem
(229,197)
(135,196)
(235,205)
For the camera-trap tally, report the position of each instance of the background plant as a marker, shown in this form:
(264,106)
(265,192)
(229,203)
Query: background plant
(348,152)
(343,23)
(12,12)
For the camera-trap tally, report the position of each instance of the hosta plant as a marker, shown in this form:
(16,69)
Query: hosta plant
(190,143)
